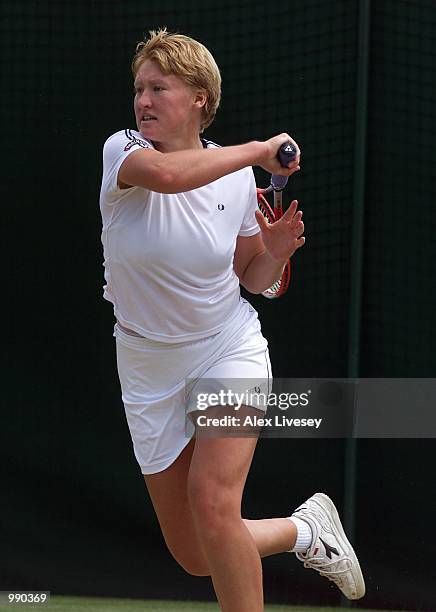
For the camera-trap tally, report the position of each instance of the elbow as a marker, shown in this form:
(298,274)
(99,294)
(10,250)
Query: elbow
(250,287)
(169,178)
(254,290)
(166,181)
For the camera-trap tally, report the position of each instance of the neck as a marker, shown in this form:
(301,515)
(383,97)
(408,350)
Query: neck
(179,145)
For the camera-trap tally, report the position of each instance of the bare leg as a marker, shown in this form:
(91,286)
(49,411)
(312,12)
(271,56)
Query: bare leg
(168,492)
(217,476)
(272,536)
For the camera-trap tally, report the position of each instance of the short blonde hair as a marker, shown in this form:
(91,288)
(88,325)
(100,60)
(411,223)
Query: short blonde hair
(186,58)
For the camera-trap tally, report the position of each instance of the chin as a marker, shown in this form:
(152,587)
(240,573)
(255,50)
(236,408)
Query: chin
(148,136)
(147,131)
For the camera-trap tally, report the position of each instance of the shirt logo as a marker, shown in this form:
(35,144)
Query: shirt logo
(134,141)
(220,206)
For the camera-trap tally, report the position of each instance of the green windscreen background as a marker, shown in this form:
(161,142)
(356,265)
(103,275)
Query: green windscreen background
(75,517)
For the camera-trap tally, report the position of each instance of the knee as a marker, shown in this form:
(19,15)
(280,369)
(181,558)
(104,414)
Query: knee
(196,570)
(192,564)
(213,507)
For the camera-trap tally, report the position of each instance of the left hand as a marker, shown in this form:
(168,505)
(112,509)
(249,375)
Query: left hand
(283,237)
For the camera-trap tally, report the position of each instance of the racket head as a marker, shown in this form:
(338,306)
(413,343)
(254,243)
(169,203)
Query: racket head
(264,207)
(271,215)
(281,285)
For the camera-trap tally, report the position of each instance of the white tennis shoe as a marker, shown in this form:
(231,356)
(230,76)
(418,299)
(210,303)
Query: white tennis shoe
(330,553)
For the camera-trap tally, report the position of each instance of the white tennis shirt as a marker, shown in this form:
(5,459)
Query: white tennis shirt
(168,258)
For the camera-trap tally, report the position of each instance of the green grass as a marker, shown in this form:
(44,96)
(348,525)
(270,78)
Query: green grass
(95,604)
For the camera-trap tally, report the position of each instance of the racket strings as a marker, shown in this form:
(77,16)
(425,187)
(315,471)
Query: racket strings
(281,285)
(272,215)
(265,208)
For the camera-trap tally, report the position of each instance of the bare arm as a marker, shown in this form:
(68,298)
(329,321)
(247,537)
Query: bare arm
(253,265)
(259,260)
(185,170)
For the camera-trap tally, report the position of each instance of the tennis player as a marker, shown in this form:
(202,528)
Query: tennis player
(181,232)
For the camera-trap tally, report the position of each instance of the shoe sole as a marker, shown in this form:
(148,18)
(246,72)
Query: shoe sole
(328,506)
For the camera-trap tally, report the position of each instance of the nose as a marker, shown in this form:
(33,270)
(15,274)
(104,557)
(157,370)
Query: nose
(144,100)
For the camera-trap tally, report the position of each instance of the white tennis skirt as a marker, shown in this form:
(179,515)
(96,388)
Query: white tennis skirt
(153,377)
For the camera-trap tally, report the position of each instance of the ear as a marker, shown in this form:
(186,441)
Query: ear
(200,99)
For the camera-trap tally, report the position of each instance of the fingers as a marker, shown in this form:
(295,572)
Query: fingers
(290,227)
(292,216)
(299,228)
(294,165)
(299,243)
(270,163)
(296,228)
(291,210)
(284,137)
(263,223)
(296,222)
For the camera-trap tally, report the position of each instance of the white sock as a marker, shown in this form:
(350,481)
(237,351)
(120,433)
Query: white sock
(304,535)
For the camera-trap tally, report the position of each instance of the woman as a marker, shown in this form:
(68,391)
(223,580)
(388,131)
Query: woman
(181,231)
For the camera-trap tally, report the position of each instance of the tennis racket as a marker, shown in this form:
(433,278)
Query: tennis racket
(286,153)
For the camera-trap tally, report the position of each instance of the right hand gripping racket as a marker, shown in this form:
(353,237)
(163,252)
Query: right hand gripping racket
(286,154)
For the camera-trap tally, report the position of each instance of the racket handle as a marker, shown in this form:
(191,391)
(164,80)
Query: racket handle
(286,153)
(278,182)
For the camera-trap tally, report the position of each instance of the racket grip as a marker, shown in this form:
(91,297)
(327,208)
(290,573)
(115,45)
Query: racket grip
(286,153)
(278,182)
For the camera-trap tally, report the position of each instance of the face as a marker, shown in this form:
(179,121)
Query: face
(167,110)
